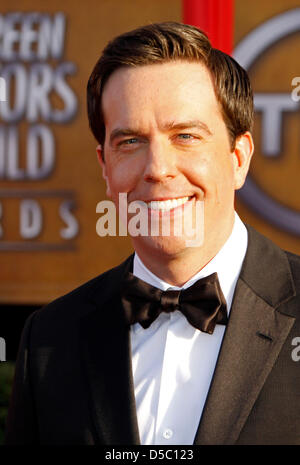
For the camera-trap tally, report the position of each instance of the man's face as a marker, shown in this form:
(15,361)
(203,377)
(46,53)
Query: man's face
(166,139)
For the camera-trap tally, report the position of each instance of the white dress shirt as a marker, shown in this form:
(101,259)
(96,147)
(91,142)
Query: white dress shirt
(173,362)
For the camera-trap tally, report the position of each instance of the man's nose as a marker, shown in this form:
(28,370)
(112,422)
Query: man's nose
(160,163)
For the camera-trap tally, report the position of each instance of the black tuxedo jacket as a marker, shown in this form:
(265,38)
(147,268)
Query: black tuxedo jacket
(74,384)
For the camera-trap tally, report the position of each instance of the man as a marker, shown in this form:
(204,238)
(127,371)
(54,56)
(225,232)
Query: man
(117,361)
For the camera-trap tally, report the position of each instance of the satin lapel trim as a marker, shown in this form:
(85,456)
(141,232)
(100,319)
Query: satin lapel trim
(252,341)
(106,351)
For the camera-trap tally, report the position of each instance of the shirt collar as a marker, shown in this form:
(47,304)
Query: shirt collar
(227,263)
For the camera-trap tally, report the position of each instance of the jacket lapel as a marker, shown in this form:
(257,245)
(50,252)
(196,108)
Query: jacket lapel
(106,357)
(254,336)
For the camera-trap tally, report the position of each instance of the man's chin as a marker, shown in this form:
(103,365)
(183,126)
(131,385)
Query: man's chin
(170,246)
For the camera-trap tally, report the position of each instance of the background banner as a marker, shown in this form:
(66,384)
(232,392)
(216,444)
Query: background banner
(50,182)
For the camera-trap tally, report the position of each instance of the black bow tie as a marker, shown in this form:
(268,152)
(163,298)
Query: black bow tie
(203,303)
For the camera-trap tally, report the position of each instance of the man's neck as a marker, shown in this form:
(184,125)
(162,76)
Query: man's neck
(177,269)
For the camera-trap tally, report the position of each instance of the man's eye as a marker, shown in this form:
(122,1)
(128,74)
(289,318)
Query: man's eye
(185,136)
(130,141)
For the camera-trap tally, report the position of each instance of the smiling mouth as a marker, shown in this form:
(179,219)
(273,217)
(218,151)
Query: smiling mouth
(166,205)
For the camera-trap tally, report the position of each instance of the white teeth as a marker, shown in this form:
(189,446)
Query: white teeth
(167,204)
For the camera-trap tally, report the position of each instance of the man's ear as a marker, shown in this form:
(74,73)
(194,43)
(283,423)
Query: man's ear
(101,161)
(243,152)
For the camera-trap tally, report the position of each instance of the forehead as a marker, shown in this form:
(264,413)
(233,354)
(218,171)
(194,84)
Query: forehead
(174,87)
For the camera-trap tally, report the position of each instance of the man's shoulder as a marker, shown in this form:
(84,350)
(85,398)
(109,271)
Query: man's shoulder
(272,272)
(294,261)
(263,244)
(81,300)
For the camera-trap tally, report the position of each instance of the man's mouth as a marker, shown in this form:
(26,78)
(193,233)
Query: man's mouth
(166,205)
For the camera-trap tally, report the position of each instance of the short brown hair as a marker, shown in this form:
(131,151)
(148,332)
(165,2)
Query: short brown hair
(163,42)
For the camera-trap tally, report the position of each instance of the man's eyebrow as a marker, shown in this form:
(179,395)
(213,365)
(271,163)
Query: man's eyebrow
(121,132)
(187,125)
